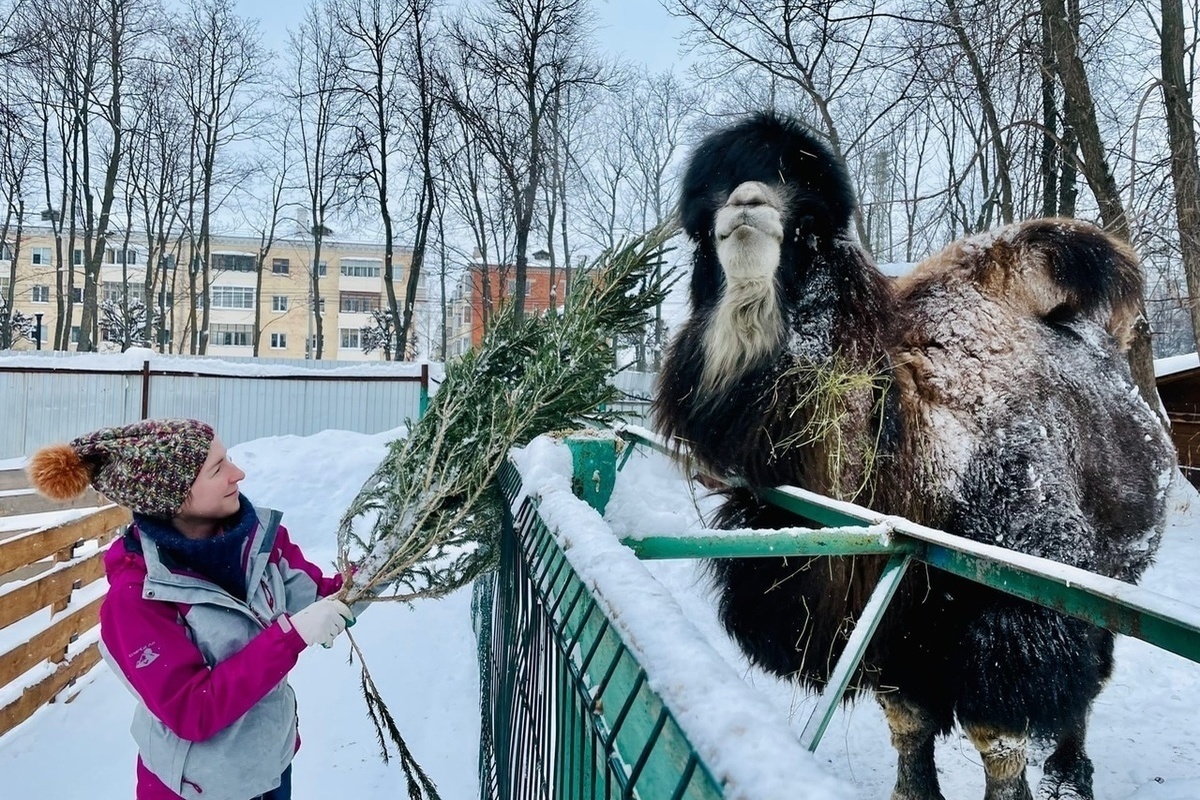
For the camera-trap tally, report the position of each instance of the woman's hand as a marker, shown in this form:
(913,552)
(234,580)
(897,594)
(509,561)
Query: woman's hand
(322,622)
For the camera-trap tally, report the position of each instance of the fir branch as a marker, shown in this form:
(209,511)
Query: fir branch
(420,787)
(427,521)
(424,524)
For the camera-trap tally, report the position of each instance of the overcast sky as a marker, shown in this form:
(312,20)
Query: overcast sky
(637,30)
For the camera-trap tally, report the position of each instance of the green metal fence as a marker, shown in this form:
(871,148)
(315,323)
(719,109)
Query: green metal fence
(568,711)
(842,528)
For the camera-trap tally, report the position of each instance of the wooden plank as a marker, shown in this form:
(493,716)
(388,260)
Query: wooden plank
(12,505)
(13,479)
(17,553)
(50,643)
(15,532)
(43,692)
(31,598)
(25,573)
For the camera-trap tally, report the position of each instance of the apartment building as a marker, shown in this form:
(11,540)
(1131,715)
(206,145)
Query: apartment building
(350,282)
(465,323)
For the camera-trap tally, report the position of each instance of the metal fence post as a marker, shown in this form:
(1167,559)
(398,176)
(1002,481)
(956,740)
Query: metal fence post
(424,401)
(594,456)
(146,389)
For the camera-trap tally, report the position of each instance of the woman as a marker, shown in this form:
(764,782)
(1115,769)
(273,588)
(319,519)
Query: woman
(209,606)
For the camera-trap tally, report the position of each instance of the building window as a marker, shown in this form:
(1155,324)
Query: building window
(359,302)
(76,294)
(231,335)
(74,334)
(350,337)
(512,287)
(278,341)
(5,252)
(232,296)
(227,262)
(111,291)
(120,256)
(166,300)
(40,293)
(279,302)
(466,315)
(40,256)
(77,258)
(280,266)
(361,268)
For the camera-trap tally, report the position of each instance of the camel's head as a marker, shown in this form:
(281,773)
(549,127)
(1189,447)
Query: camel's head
(760,199)
(763,200)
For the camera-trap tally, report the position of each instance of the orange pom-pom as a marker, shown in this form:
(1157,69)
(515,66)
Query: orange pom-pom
(58,472)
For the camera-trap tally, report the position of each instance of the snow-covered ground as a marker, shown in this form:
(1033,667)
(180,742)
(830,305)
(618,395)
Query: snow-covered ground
(1145,733)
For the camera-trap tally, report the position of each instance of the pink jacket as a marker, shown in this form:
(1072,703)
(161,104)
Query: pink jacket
(215,712)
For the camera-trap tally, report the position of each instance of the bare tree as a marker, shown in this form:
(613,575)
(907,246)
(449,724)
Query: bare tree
(1083,120)
(80,71)
(320,100)
(527,52)
(158,148)
(468,169)
(823,56)
(272,176)
(1185,173)
(393,75)
(17,152)
(221,61)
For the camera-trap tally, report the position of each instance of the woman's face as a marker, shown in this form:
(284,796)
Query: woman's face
(214,494)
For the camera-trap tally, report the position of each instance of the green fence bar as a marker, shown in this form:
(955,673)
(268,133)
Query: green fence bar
(782,542)
(856,647)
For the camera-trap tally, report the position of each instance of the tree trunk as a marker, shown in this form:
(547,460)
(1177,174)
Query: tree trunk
(1181,126)
(1082,110)
(989,112)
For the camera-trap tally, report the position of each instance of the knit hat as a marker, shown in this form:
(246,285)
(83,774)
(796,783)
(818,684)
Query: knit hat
(148,467)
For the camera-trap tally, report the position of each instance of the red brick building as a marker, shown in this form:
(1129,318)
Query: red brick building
(503,286)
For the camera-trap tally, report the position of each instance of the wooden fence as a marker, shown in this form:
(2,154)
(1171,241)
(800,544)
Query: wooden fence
(48,568)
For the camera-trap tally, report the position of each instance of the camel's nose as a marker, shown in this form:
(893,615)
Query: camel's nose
(753,193)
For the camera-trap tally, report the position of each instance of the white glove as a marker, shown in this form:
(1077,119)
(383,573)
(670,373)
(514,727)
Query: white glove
(321,622)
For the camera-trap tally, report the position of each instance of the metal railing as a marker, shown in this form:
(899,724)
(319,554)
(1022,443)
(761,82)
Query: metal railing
(842,529)
(568,712)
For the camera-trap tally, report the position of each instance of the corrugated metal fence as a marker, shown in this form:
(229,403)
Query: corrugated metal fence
(56,400)
(55,397)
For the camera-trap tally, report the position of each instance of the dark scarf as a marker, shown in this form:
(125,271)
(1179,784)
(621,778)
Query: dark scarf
(219,559)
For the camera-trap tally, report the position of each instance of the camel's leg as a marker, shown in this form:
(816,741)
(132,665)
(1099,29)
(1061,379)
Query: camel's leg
(913,730)
(1068,771)
(1003,763)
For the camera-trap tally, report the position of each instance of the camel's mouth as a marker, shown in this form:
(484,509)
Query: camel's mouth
(752,209)
(749,231)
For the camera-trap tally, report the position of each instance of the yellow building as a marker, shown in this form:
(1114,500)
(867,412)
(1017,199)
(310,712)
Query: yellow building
(350,285)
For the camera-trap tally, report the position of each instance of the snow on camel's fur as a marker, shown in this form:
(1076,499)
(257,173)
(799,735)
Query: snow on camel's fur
(986,394)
